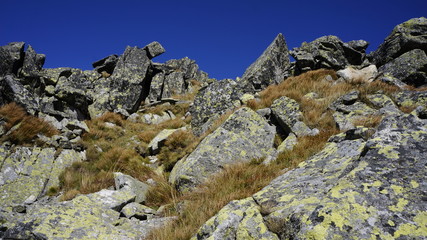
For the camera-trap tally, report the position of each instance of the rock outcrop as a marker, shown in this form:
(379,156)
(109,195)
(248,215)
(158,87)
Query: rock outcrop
(270,68)
(242,137)
(353,188)
(405,37)
(329,52)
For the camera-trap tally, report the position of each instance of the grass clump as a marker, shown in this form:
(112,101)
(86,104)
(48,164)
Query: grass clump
(27,127)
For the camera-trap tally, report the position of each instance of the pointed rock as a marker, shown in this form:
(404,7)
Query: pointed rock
(270,68)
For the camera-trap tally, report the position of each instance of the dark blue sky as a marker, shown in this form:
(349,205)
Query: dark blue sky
(224,37)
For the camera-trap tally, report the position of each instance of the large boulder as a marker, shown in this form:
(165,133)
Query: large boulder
(11,58)
(351,189)
(404,38)
(329,52)
(244,136)
(410,68)
(128,81)
(270,68)
(212,102)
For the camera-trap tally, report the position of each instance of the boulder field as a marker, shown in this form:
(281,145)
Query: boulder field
(368,182)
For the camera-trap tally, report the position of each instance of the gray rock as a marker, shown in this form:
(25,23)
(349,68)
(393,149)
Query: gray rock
(154,49)
(288,144)
(11,90)
(128,81)
(74,124)
(11,58)
(286,112)
(106,64)
(108,199)
(51,75)
(211,102)
(411,98)
(410,68)
(270,68)
(245,135)
(138,211)
(351,189)
(32,64)
(128,183)
(404,38)
(367,74)
(328,52)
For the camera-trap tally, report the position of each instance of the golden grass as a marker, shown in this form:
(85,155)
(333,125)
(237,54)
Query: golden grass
(27,126)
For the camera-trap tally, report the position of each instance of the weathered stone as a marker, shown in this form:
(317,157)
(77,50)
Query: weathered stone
(411,98)
(154,49)
(383,103)
(327,52)
(106,64)
(367,74)
(404,38)
(128,81)
(74,124)
(269,68)
(11,58)
(287,113)
(11,90)
(351,189)
(128,183)
(245,135)
(410,68)
(288,144)
(174,84)
(150,118)
(237,220)
(138,211)
(51,75)
(32,64)
(211,102)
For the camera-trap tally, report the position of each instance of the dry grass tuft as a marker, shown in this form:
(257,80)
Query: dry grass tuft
(27,127)
(177,146)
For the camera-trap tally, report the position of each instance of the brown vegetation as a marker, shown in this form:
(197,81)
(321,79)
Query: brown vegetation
(26,126)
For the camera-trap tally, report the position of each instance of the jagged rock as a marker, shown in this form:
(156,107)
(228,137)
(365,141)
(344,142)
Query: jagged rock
(126,182)
(240,219)
(404,38)
(128,81)
(11,90)
(367,74)
(106,64)
(154,49)
(213,101)
(351,189)
(32,64)
(29,172)
(329,52)
(270,68)
(410,68)
(74,90)
(286,112)
(245,135)
(174,77)
(11,58)
(54,107)
(138,211)
(159,140)
(74,124)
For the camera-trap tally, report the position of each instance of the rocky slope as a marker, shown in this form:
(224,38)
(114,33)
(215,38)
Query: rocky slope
(172,120)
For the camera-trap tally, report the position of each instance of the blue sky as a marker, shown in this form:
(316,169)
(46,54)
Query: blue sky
(224,37)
